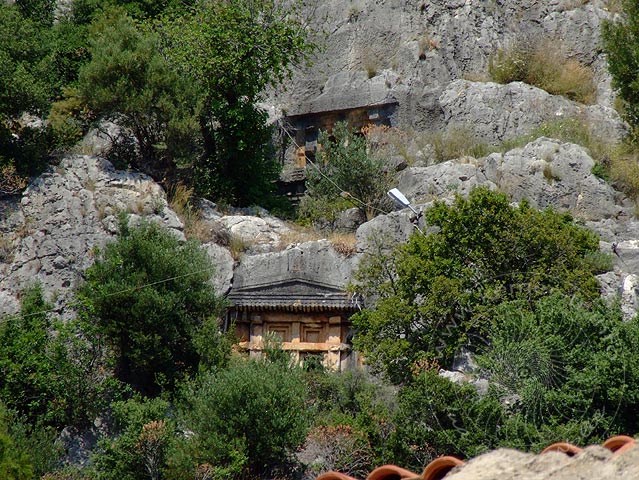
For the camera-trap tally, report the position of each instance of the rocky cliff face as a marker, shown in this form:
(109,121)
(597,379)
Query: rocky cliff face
(415,49)
(428,57)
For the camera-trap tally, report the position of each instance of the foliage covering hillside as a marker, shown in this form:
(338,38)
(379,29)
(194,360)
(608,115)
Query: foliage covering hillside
(144,367)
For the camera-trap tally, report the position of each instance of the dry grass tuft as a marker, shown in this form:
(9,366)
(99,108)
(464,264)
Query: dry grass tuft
(457,142)
(181,202)
(624,171)
(544,64)
(237,246)
(298,234)
(344,243)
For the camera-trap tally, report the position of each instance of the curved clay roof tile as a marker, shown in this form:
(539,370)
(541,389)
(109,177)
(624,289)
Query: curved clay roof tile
(391,472)
(334,476)
(563,447)
(619,444)
(438,468)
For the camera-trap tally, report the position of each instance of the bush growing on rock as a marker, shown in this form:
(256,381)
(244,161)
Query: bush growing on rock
(346,174)
(437,292)
(268,36)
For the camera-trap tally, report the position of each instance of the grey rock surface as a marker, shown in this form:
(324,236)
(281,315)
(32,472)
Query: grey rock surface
(495,112)
(592,462)
(425,184)
(384,232)
(550,173)
(51,234)
(224,263)
(68,212)
(313,261)
(258,234)
(418,48)
(546,172)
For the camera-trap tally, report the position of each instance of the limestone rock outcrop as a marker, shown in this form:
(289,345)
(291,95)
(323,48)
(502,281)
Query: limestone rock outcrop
(50,235)
(497,112)
(593,462)
(415,49)
(546,172)
(64,215)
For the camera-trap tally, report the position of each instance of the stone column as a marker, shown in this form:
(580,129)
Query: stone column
(256,342)
(334,343)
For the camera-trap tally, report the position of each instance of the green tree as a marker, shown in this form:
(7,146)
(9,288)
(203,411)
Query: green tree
(144,433)
(437,292)
(51,375)
(621,44)
(233,51)
(14,461)
(128,80)
(150,296)
(570,365)
(28,86)
(437,417)
(28,377)
(345,175)
(246,419)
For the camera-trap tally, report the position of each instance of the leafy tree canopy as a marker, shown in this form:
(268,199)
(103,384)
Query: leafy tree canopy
(566,363)
(129,81)
(51,375)
(438,292)
(233,51)
(559,370)
(150,296)
(621,43)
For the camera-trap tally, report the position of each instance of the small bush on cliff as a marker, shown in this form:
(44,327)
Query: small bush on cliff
(346,174)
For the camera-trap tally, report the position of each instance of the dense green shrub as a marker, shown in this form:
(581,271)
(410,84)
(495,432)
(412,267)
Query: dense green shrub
(14,461)
(437,417)
(267,38)
(621,43)
(138,451)
(358,409)
(149,296)
(247,419)
(437,292)
(130,81)
(345,175)
(58,368)
(26,368)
